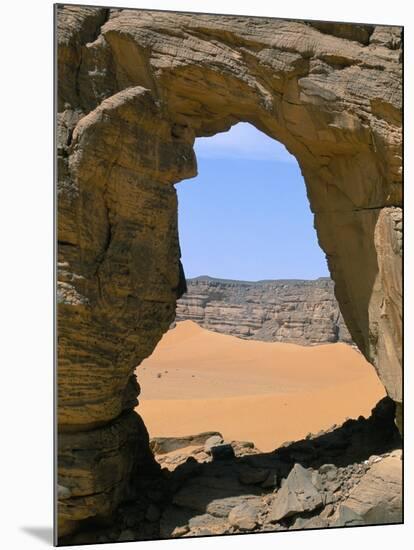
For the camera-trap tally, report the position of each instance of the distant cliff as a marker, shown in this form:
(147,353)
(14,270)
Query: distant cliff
(297,311)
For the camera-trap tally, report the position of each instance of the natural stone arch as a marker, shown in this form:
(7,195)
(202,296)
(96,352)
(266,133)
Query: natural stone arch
(135,88)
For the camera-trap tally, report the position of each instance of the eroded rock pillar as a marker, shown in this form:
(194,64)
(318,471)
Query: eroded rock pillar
(118,278)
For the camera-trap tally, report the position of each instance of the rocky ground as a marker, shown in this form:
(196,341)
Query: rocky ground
(301,312)
(348,475)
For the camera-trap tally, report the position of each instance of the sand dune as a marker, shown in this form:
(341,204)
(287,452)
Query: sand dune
(197,380)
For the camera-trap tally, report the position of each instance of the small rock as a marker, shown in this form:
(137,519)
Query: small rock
(222,507)
(212,441)
(200,533)
(330,469)
(331,475)
(243,444)
(202,456)
(201,521)
(244,516)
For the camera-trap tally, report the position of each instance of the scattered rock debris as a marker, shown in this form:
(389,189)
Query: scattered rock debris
(346,476)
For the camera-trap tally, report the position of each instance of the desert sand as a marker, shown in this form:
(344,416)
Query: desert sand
(268,393)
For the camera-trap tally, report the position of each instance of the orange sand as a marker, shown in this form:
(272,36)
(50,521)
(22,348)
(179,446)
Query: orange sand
(249,390)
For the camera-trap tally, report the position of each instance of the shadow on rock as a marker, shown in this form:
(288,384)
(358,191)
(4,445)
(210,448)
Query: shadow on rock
(345,476)
(310,483)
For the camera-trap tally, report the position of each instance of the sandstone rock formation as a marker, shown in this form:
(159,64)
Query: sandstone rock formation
(296,311)
(134,90)
(346,476)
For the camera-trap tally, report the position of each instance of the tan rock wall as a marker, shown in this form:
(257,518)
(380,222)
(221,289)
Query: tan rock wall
(134,89)
(302,312)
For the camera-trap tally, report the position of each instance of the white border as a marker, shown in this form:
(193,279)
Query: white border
(26,268)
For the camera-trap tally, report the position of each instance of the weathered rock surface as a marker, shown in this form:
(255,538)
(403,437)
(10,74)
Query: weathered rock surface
(296,311)
(134,89)
(161,445)
(198,496)
(369,500)
(298,494)
(245,516)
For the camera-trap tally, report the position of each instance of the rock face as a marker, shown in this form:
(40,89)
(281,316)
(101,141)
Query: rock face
(296,311)
(368,498)
(134,90)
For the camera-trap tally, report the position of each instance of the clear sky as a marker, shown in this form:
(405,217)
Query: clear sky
(246,215)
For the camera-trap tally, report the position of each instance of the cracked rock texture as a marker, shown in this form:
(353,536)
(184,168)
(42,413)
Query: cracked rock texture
(134,90)
(295,311)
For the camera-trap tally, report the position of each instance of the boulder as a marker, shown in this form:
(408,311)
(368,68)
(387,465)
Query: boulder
(213,495)
(377,498)
(298,494)
(245,515)
(163,445)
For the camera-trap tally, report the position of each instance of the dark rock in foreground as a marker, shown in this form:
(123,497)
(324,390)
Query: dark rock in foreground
(345,476)
(297,311)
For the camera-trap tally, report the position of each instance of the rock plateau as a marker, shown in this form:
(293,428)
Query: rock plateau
(295,311)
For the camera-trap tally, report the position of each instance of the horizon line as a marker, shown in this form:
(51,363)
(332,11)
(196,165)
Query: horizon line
(209,277)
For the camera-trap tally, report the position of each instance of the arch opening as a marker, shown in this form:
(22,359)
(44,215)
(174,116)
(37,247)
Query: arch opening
(259,328)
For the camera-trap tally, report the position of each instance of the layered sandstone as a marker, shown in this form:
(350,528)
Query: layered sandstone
(134,90)
(296,311)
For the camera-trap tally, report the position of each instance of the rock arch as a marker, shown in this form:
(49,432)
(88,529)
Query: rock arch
(134,90)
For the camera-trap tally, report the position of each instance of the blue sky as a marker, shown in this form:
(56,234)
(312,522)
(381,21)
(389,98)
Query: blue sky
(246,215)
